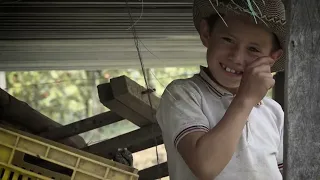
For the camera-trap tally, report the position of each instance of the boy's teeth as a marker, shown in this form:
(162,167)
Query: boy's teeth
(230,70)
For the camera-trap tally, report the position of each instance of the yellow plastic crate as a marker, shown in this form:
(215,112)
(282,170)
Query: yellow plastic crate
(19,151)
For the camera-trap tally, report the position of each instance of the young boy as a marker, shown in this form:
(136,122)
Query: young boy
(218,124)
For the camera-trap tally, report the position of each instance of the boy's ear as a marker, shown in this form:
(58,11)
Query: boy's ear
(204,33)
(276,55)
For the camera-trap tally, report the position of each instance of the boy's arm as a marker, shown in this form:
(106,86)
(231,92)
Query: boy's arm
(207,154)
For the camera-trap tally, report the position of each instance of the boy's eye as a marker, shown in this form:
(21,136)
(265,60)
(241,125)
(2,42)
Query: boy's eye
(227,39)
(253,49)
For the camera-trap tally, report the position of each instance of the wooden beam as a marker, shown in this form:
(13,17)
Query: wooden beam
(107,98)
(81,126)
(154,172)
(278,89)
(139,147)
(302,103)
(106,148)
(16,112)
(132,95)
(21,113)
(146,144)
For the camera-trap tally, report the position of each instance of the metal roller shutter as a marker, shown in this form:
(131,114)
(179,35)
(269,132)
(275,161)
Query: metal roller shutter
(83,34)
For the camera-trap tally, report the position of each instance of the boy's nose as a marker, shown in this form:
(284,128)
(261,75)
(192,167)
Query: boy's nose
(237,55)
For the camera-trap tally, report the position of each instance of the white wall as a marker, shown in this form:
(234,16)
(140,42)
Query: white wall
(3,83)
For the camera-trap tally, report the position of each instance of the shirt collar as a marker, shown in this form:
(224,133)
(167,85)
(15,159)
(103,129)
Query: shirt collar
(219,90)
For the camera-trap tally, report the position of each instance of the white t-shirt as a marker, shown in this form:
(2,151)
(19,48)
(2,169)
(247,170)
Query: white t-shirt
(198,104)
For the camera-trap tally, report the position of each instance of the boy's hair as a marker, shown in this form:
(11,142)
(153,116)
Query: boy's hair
(212,19)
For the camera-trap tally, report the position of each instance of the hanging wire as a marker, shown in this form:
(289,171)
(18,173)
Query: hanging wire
(139,17)
(141,14)
(136,41)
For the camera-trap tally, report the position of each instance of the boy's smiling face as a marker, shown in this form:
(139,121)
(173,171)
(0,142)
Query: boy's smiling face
(230,49)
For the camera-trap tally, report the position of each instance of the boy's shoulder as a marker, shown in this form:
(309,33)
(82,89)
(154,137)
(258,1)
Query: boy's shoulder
(183,91)
(186,85)
(272,104)
(275,109)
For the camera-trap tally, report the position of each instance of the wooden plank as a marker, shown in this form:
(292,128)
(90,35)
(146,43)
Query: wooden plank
(302,114)
(107,98)
(131,94)
(278,89)
(154,172)
(139,147)
(81,126)
(146,144)
(17,113)
(106,148)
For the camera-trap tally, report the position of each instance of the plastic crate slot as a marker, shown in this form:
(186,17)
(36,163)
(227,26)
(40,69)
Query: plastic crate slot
(16,176)
(1,172)
(47,165)
(11,175)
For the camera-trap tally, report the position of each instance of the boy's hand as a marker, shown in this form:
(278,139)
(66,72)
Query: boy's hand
(256,80)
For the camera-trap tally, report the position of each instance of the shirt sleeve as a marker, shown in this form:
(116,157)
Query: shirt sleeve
(180,112)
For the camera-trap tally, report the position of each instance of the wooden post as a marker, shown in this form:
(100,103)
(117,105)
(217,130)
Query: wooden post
(135,97)
(107,99)
(302,95)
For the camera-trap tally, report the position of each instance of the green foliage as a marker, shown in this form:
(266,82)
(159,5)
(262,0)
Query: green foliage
(68,96)
(53,93)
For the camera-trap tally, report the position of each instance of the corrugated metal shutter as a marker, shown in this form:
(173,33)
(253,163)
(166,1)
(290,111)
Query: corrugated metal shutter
(79,34)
